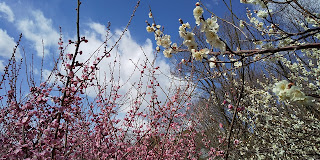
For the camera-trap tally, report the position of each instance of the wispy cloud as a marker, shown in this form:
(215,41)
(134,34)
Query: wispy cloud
(211,3)
(38,29)
(6,10)
(1,66)
(7,44)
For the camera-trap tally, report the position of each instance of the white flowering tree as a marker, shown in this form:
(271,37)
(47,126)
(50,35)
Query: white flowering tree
(262,73)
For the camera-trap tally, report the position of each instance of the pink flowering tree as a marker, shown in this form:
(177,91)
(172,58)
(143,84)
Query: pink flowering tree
(58,119)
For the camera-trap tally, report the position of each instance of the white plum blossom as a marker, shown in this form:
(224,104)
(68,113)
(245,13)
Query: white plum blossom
(174,47)
(196,55)
(241,24)
(287,91)
(260,26)
(158,39)
(203,26)
(312,21)
(212,24)
(209,25)
(212,63)
(254,20)
(164,41)
(158,49)
(167,52)
(192,45)
(257,57)
(217,43)
(189,36)
(199,55)
(285,42)
(186,25)
(150,29)
(268,45)
(262,14)
(243,1)
(237,64)
(158,33)
(189,41)
(197,13)
(213,39)
(182,29)
(211,36)
(296,94)
(280,88)
(260,2)
(182,34)
(204,52)
(246,1)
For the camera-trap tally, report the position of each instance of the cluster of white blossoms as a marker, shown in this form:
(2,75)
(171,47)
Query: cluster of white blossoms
(262,14)
(212,62)
(237,64)
(209,27)
(162,39)
(198,55)
(254,20)
(197,13)
(255,2)
(313,21)
(188,37)
(287,91)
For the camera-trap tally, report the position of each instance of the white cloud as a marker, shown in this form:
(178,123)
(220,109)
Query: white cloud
(7,11)
(7,44)
(99,28)
(1,66)
(130,57)
(38,29)
(211,3)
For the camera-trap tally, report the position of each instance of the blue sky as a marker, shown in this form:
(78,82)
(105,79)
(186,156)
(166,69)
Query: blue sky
(62,13)
(40,20)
